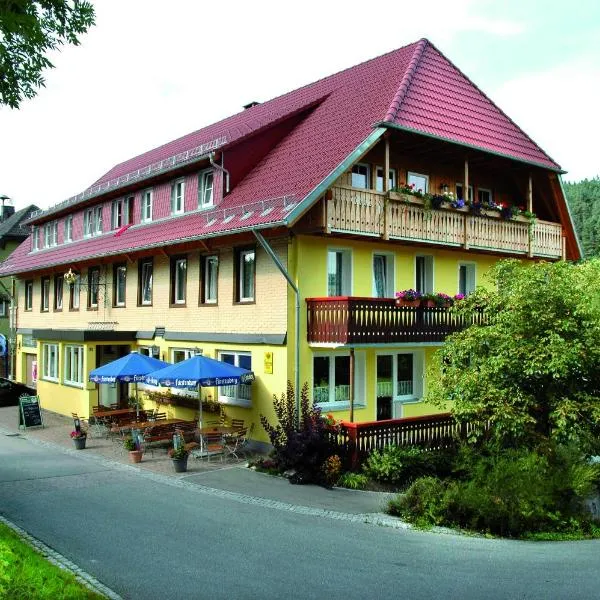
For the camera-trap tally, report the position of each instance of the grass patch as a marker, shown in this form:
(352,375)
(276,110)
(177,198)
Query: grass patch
(26,574)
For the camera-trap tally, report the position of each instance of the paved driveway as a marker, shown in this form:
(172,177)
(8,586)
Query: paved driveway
(149,536)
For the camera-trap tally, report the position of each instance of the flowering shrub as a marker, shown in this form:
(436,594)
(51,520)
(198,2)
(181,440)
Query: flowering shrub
(437,200)
(457,203)
(409,295)
(442,299)
(332,469)
(458,297)
(404,188)
(78,434)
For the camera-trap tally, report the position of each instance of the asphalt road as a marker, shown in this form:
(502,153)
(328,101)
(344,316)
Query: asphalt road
(148,539)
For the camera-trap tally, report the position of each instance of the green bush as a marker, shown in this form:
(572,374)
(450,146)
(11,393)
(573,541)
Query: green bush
(353,481)
(399,465)
(510,493)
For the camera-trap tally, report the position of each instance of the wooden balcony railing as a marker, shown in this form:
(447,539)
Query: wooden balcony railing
(395,216)
(352,320)
(355,441)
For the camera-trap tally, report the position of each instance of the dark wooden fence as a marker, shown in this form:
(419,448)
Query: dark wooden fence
(354,320)
(355,441)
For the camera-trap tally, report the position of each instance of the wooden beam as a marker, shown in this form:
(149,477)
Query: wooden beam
(466,199)
(386,186)
(530,194)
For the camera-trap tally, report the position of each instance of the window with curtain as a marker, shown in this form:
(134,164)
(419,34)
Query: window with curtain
(383,276)
(339,273)
(210,271)
(146,268)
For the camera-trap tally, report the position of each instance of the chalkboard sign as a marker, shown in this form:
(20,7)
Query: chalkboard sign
(30,413)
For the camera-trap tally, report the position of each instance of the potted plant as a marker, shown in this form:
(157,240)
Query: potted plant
(180,458)
(429,300)
(135,454)
(79,438)
(443,300)
(408,298)
(438,200)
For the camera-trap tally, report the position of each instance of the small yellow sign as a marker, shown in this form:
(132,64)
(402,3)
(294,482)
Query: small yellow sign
(269,363)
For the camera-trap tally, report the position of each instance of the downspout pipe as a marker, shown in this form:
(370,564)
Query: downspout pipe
(265,245)
(211,158)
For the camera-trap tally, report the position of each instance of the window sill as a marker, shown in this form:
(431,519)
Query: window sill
(407,400)
(50,380)
(73,384)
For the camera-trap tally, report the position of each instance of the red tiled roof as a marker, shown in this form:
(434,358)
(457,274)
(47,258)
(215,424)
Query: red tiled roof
(414,87)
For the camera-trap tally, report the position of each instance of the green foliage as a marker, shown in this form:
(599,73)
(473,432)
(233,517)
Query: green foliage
(26,574)
(29,29)
(399,465)
(353,481)
(511,492)
(301,446)
(532,370)
(129,444)
(584,201)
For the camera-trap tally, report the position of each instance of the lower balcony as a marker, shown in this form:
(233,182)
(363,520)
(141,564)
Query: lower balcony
(348,320)
(397,216)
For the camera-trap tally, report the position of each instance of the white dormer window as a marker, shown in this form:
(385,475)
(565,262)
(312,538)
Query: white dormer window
(177,197)
(205,188)
(121,212)
(88,223)
(69,228)
(51,234)
(147,206)
(98,220)
(360,176)
(35,238)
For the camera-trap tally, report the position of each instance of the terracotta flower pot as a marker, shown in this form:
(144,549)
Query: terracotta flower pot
(429,304)
(135,456)
(402,302)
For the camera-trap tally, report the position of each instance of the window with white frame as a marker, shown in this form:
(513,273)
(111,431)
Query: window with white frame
(424,274)
(460,192)
(92,221)
(484,196)
(29,294)
(50,362)
(331,379)
(419,181)
(361,176)
(35,238)
(120,212)
(69,228)
(466,278)
(59,281)
(119,284)
(93,287)
(339,273)
(239,395)
(177,197)
(210,274)
(45,285)
(178,280)
(51,234)
(181,354)
(400,376)
(74,292)
(146,206)
(4,307)
(383,275)
(146,269)
(73,365)
(379,179)
(245,274)
(205,188)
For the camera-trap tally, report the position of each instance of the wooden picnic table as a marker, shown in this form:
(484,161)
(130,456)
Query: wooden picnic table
(146,424)
(119,412)
(222,429)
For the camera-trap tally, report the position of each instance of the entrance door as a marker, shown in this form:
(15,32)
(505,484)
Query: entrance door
(31,370)
(385,386)
(111,393)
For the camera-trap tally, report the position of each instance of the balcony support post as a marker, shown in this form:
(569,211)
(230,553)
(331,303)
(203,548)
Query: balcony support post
(386,185)
(466,199)
(530,209)
(351,390)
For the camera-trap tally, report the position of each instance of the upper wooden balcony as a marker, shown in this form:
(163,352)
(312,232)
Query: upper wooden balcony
(402,217)
(351,320)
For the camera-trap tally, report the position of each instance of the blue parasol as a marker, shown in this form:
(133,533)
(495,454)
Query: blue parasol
(202,372)
(131,368)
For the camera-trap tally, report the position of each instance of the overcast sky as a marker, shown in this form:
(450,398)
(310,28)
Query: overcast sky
(151,71)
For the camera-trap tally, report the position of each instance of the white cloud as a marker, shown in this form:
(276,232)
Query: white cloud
(558,109)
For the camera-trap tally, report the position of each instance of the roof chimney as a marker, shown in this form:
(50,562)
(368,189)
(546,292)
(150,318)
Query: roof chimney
(251,104)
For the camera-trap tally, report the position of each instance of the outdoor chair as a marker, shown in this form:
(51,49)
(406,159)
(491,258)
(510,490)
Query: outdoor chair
(212,445)
(234,442)
(97,427)
(160,416)
(114,406)
(237,423)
